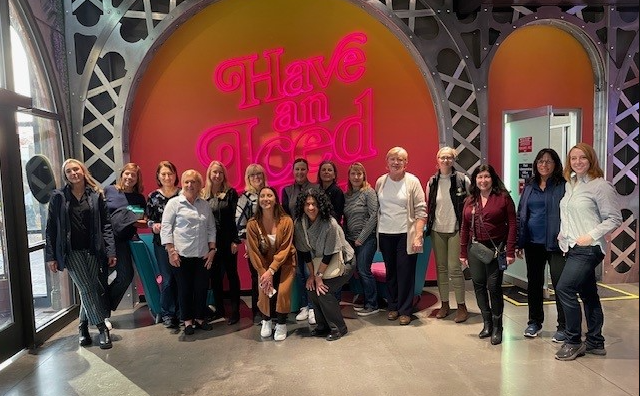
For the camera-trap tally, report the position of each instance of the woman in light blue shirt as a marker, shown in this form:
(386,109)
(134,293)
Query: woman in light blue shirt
(589,210)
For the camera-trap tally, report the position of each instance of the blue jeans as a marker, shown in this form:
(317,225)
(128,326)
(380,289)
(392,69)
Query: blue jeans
(579,277)
(302,273)
(364,259)
(168,287)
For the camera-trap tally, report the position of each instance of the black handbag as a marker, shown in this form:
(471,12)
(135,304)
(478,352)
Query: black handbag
(483,253)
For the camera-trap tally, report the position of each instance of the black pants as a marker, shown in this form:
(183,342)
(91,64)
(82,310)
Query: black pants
(327,307)
(192,279)
(401,272)
(536,256)
(225,262)
(487,284)
(254,288)
(124,275)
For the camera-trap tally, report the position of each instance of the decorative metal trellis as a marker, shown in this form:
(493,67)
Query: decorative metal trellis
(109,43)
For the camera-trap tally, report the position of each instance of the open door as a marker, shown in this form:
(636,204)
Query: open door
(525,132)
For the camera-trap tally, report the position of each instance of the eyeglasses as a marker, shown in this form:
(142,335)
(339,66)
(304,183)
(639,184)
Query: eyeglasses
(255,175)
(446,158)
(545,162)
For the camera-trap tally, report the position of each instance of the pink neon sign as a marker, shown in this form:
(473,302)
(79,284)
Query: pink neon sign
(302,107)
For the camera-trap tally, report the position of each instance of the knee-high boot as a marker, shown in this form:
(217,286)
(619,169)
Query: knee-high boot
(496,336)
(488,325)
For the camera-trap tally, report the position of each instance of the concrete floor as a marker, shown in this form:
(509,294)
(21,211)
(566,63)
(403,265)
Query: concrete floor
(377,357)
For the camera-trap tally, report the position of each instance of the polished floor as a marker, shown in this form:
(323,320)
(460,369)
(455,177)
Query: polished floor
(376,357)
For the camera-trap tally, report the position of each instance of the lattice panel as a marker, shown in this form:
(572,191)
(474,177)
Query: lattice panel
(108,40)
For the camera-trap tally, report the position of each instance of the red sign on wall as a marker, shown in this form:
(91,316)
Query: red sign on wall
(525,144)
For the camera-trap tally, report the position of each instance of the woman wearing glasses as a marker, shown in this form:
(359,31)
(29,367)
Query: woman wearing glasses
(538,228)
(254,181)
(446,192)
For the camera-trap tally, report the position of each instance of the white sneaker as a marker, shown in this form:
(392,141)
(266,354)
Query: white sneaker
(312,317)
(107,323)
(265,332)
(303,314)
(281,332)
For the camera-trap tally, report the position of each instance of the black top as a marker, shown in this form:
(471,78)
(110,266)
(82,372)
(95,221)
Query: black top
(80,218)
(155,208)
(223,206)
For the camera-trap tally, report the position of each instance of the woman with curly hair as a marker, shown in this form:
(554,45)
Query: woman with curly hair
(318,235)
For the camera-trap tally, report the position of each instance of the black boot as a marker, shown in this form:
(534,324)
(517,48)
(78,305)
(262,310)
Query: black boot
(488,325)
(85,337)
(105,338)
(496,336)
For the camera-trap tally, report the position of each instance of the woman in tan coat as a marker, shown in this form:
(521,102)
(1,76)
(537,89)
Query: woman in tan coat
(271,251)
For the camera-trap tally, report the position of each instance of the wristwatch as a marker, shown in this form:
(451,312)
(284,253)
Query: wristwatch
(272,271)
(320,274)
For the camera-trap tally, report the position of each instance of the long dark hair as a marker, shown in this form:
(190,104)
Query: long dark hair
(278,210)
(497,186)
(556,176)
(325,208)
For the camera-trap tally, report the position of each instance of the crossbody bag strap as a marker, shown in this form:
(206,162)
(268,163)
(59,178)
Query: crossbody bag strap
(485,230)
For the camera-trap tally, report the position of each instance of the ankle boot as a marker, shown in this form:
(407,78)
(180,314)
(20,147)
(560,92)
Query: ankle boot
(443,312)
(488,325)
(496,336)
(105,338)
(85,337)
(461,314)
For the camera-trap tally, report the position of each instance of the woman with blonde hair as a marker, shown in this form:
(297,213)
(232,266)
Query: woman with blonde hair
(401,220)
(446,192)
(360,225)
(123,198)
(79,238)
(254,180)
(188,233)
(223,200)
(589,211)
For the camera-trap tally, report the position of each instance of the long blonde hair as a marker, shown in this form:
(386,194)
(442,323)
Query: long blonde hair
(252,169)
(88,179)
(206,191)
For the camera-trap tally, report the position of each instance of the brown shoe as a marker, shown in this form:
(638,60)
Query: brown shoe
(461,314)
(405,320)
(392,315)
(443,312)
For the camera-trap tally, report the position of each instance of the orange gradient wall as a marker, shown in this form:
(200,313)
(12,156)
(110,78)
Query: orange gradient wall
(537,66)
(177,101)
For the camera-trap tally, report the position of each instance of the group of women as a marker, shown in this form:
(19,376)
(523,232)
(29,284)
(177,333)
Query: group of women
(562,219)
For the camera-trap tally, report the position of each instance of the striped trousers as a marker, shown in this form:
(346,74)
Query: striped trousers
(84,270)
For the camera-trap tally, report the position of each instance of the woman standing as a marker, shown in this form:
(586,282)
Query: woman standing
(589,210)
(488,217)
(79,238)
(124,195)
(538,228)
(188,233)
(446,192)
(223,200)
(360,221)
(318,235)
(254,181)
(401,221)
(167,180)
(289,198)
(327,178)
(271,251)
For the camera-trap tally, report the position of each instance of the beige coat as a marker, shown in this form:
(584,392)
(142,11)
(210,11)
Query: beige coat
(280,256)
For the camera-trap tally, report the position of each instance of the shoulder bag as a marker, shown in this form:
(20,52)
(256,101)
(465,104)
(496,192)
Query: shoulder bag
(336,266)
(482,252)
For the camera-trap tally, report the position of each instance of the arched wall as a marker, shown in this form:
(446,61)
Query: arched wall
(108,41)
(535,66)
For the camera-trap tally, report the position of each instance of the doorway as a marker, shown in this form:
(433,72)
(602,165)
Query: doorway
(525,133)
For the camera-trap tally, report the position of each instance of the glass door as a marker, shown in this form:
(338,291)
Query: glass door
(525,134)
